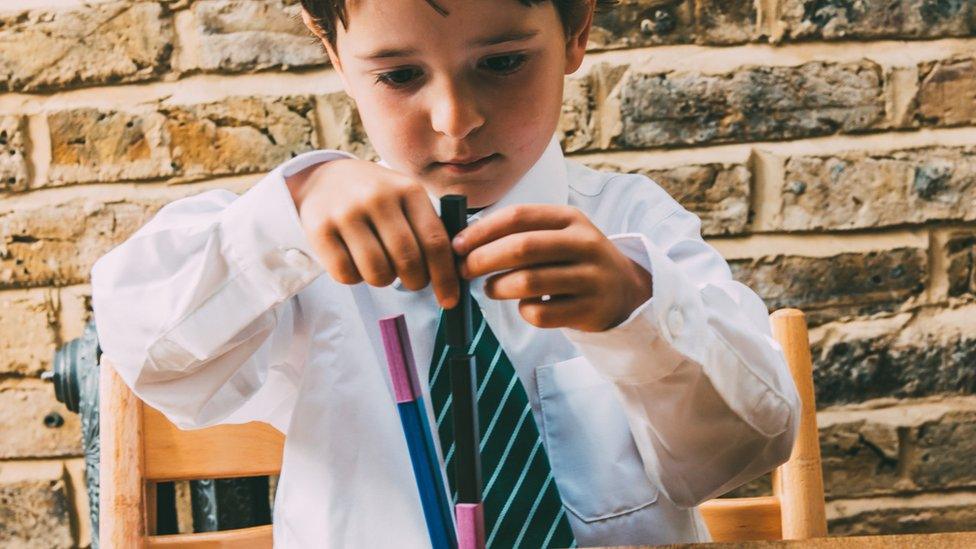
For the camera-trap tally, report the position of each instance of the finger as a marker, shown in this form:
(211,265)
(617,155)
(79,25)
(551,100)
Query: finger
(522,250)
(367,252)
(336,258)
(513,219)
(555,280)
(556,312)
(436,247)
(402,247)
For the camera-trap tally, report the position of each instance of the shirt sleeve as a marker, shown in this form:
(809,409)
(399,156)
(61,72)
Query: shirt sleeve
(198,311)
(705,387)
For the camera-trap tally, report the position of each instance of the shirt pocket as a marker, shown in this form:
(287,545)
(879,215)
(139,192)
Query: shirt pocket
(591,450)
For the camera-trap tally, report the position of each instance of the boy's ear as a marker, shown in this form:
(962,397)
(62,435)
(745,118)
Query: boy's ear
(577,40)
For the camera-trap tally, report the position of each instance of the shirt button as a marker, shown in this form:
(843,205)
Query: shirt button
(398,284)
(676,321)
(297,258)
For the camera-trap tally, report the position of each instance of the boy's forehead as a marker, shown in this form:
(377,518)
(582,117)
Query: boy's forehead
(378,28)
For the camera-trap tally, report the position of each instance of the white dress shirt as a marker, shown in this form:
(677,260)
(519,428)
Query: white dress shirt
(218,311)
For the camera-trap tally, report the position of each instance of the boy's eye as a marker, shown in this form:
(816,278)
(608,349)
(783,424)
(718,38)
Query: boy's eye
(501,64)
(505,63)
(397,78)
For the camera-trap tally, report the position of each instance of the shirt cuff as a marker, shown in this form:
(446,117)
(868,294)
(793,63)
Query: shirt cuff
(659,334)
(263,227)
(269,258)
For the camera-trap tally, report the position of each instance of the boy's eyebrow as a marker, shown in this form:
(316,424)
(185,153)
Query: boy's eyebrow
(508,36)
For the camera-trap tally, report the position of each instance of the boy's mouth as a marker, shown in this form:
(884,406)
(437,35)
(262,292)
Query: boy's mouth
(462,166)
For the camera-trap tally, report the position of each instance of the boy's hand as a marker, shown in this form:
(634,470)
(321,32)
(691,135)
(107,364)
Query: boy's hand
(367,222)
(556,251)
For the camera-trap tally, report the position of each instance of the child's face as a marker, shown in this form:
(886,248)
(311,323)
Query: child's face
(444,97)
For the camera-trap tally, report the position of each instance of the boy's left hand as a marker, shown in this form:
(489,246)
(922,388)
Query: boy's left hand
(556,251)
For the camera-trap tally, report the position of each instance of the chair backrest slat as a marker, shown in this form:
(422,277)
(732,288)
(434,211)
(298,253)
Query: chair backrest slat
(256,537)
(734,519)
(221,451)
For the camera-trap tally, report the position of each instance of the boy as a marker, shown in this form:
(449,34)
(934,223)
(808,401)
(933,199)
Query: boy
(648,378)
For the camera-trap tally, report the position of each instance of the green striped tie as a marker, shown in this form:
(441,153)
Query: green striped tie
(522,506)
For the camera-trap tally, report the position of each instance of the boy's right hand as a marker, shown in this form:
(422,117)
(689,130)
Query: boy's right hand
(371,223)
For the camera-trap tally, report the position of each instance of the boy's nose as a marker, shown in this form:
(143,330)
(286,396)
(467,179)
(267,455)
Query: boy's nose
(454,111)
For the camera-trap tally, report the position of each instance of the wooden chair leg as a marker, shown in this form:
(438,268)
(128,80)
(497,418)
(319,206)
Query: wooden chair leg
(122,507)
(799,482)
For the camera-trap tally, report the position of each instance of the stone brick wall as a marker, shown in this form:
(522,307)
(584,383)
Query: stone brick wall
(829,147)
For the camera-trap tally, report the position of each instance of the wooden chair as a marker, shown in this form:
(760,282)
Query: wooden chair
(140,447)
(796,508)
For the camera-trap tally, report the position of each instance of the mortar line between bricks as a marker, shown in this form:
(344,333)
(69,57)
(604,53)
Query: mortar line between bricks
(817,244)
(720,59)
(922,500)
(28,5)
(198,88)
(825,145)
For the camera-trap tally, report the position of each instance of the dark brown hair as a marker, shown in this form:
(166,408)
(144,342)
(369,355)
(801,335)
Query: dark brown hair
(325,13)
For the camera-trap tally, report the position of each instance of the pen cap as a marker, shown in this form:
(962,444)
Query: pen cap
(457,329)
(399,358)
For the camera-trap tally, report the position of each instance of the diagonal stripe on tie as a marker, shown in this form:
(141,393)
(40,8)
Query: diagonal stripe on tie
(521,502)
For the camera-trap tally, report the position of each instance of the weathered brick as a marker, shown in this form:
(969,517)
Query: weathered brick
(844,284)
(238,135)
(58,243)
(639,23)
(28,322)
(576,128)
(233,136)
(751,103)
(861,458)
(590,115)
(914,515)
(717,193)
(35,505)
(961,268)
(726,21)
(911,447)
(103,43)
(947,92)
(864,190)
(95,145)
(243,35)
(895,362)
(13,163)
(846,19)
(342,127)
(34,423)
(944,452)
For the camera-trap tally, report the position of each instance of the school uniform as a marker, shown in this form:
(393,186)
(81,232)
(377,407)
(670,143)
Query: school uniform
(217,311)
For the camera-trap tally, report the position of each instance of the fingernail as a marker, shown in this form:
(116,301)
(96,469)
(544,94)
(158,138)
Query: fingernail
(458,242)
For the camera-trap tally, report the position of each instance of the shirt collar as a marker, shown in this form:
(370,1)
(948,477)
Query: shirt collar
(546,182)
